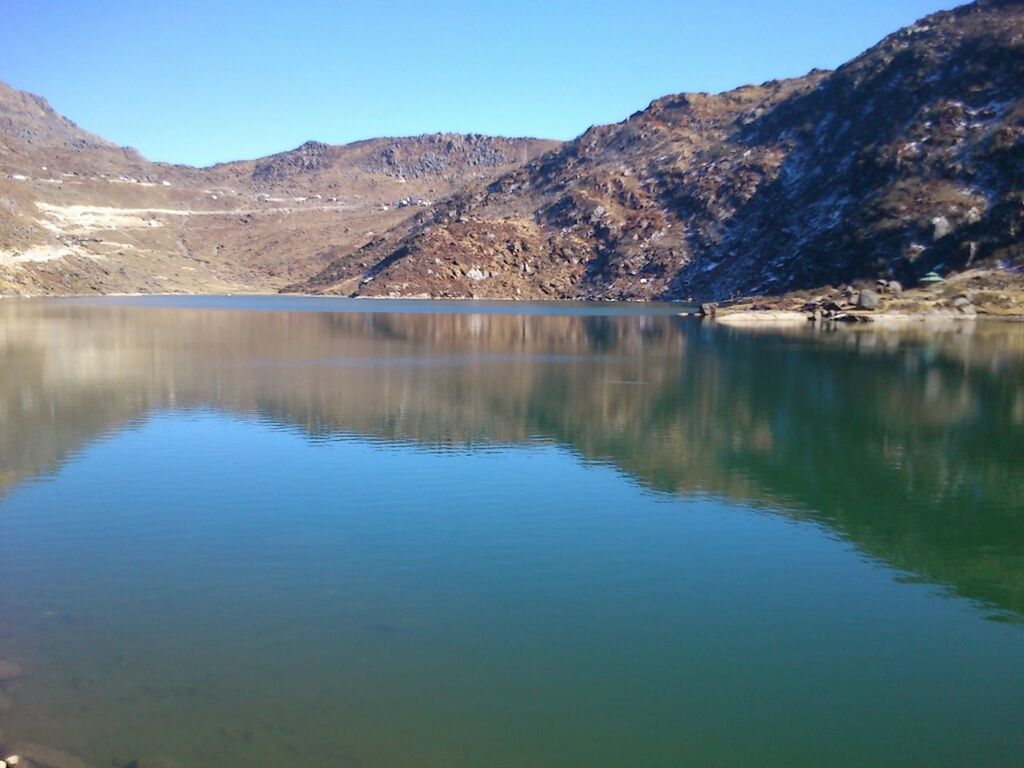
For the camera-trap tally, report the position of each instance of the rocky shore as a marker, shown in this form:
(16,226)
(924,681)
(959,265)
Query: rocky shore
(994,294)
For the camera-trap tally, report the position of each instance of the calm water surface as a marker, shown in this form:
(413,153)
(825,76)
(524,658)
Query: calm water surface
(265,532)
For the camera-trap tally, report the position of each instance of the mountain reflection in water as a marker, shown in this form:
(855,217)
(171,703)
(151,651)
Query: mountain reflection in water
(909,445)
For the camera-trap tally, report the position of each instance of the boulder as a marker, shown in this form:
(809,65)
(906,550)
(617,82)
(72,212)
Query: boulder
(846,317)
(963,305)
(940,227)
(868,299)
(896,288)
(708,310)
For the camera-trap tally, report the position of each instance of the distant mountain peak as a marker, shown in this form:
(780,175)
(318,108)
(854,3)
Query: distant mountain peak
(30,118)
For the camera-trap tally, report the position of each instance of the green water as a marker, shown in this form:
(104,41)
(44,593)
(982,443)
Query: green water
(266,532)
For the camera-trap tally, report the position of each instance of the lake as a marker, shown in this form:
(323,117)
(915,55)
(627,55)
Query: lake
(266,532)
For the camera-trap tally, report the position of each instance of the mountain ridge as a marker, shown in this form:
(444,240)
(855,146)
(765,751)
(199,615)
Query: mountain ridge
(763,189)
(82,215)
(907,159)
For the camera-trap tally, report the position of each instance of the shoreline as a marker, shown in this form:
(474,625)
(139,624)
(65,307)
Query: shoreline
(733,315)
(747,318)
(411,297)
(978,294)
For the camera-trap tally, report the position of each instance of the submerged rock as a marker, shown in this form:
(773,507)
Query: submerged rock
(154,761)
(8,671)
(26,755)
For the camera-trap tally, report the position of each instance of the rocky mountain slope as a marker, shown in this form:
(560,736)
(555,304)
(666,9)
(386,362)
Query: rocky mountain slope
(907,159)
(81,215)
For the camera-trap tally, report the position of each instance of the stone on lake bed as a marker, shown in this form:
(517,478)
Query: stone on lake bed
(154,761)
(38,756)
(8,671)
(5,707)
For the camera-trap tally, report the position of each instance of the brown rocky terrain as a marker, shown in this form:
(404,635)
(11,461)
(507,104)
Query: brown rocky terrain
(905,160)
(81,215)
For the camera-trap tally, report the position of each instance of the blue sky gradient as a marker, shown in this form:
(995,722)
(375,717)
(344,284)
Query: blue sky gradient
(201,82)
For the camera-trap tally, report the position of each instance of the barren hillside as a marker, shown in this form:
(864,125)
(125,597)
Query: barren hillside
(908,159)
(81,215)
(905,160)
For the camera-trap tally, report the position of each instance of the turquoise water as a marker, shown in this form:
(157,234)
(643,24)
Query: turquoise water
(241,534)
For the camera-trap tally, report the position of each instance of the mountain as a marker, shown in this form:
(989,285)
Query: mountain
(895,440)
(31,120)
(907,159)
(79,214)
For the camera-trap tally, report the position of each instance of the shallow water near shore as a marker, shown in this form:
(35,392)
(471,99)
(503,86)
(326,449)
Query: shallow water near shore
(255,532)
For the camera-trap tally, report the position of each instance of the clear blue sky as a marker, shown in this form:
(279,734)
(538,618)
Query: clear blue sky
(200,82)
